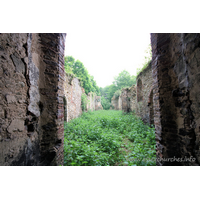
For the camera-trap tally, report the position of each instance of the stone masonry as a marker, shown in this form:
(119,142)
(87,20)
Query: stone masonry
(73,92)
(98,105)
(176,97)
(138,98)
(31,99)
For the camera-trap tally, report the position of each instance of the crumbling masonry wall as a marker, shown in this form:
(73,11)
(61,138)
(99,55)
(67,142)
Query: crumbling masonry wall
(144,86)
(138,98)
(91,101)
(98,105)
(176,97)
(31,99)
(73,92)
(116,103)
(94,102)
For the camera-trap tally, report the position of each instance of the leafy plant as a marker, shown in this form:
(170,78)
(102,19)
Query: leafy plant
(78,70)
(117,93)
(107,138)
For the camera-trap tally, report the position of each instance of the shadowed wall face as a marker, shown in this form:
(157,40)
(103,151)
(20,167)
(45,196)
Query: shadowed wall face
(139,90)
(31,99)
(176,99)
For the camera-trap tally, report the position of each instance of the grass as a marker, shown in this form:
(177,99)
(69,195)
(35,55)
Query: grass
(108,138)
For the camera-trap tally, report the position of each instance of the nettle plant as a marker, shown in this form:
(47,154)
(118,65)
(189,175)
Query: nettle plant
(107,138)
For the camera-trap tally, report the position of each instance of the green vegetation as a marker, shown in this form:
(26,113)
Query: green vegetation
(108,138)
(124,79)
(77,69)
(105,103)
(117,93)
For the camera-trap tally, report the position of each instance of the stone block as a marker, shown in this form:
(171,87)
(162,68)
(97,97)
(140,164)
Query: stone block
(16,125)
(19,65)
(11,99)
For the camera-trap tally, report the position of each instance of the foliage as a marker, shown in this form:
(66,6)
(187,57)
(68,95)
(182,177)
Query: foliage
(147,59)
(69,62)
(105,103)
(117,93)
(124,79)
(77,68)
(84,102)
(107,138)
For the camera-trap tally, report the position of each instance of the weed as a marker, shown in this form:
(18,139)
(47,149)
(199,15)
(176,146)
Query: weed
(107,138)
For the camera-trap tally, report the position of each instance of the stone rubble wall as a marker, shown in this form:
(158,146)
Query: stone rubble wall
(98,105)
(94,102)
(143,106)
(116,103)
(128,100)
(72,98)
(73,92)
(91,101)
(31,99)
(176,96)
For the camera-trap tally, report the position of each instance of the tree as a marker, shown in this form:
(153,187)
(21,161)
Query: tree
(69,63)
(105,103)
(124,79)
(77,68)
(94,85)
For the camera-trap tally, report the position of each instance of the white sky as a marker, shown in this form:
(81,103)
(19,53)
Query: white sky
(106,38)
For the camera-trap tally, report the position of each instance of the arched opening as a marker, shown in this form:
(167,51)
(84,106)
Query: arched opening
(151,111)
(65,108)
(139,90)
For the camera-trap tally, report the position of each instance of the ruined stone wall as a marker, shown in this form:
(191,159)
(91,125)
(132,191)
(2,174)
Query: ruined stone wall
(132,98)
(98,105)
(116,103)
(144,86)
(94,102)
(138,98)
(124,100)
(73,92)
(176,99)
(91,101)
(31,99)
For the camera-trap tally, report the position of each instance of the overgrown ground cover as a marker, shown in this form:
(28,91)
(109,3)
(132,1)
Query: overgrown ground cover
(108,138)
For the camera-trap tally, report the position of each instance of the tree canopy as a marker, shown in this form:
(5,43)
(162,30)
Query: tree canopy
(124,79)
(77,68)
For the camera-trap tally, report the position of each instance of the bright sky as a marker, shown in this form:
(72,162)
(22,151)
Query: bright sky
(106,38)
